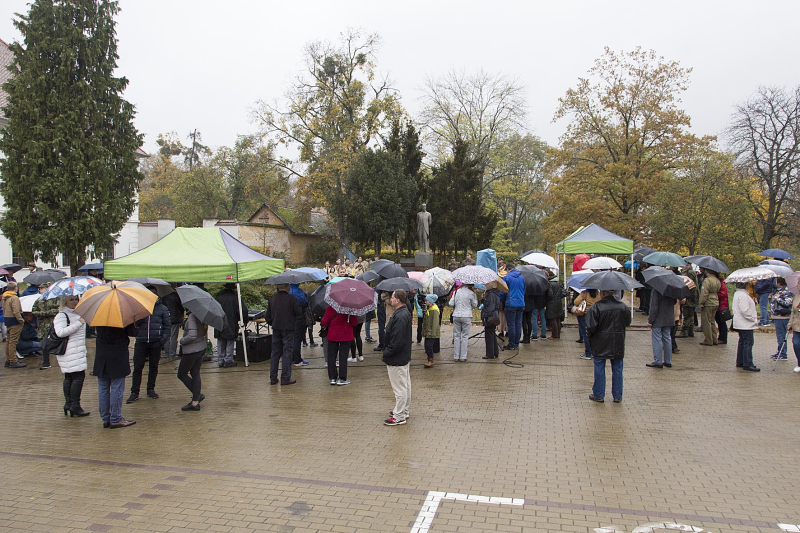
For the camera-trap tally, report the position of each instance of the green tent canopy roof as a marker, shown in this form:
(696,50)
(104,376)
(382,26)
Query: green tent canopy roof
(197,255)
(593,239)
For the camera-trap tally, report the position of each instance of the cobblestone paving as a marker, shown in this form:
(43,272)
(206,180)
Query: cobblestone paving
(702,444)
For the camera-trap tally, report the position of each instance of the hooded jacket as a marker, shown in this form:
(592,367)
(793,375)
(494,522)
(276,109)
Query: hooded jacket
(74,358)
(12,309)
(516,289)
(194,335)
(155,327)
(605,324)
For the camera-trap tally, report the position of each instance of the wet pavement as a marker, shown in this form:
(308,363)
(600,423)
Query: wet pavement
(488,447)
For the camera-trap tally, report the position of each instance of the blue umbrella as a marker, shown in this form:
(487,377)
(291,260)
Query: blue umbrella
(776,253)
(316,272)
(575,280)
(91,266)
(627,264)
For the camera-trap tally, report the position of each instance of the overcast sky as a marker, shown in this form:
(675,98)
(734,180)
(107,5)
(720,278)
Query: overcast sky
(204,64)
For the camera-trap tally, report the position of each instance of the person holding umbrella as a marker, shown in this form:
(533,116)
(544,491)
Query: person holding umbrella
(463,302)
(745,320)
(709,303)
(780,304)
(340,335)
(661,319)
(283,312)
(193,347)
(397,357)
(73,362)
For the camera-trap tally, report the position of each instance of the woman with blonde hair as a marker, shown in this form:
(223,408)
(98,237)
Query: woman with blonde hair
(68,324)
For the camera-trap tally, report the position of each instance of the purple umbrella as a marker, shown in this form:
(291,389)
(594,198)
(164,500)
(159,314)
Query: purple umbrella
(351,297)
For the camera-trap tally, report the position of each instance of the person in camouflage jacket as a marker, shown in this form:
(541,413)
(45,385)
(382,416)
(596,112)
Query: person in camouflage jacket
(688,307)
(45,311)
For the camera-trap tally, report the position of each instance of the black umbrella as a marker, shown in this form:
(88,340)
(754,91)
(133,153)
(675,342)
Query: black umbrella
(11,267)
(44,276)
(389,269)
(202,305)
(393,284)
(666,283)
(639,253)
(162,287)
(709,262)
(529,252)
(368,276)
(91,266)
(289,277)
(536,282)
(610,280)
(317,302)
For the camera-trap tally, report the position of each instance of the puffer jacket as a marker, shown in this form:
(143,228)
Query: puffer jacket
(462,302)
(605,324)
(194,335)
(155,327)
(74,358)
(431,329)
(516,289)
(744,311)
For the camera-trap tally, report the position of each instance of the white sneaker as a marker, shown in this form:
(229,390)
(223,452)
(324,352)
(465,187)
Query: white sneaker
(343,382)
(333,382)
(360,357)
(351,359)
(797,369)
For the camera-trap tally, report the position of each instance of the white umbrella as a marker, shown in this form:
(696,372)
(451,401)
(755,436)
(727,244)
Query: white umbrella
(27,302)
(473,274)
(792,280)
(744,275)
(601,263)
(439,280)
(781,268)
(539,259)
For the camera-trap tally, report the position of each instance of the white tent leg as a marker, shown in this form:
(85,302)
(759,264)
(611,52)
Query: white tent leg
(632,290)
(241,324)
(564,273)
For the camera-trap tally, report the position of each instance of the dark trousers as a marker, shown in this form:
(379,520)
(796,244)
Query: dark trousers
(282,346)
(688,320)
(644,299)
(555,327)
(526,325)
(357,344)
(145,351)
(310,334)
(490,336)
(381,312)
(673,331)
(190,364)
(73,385)
(297,340)
(430,344)
(419,328)
(722,326)
(744,351)
(337,349)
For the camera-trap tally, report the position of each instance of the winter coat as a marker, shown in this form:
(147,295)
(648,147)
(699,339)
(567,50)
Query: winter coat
(584,296)
(462,302)
(491,304)
(195,335)
(112,360)
(709,291)
(555,302)
(12,309)
(173,304)
(794,321)
(782,298)
(45,311)
(298,293)
(516,289)
(766,286)
(31,289)
(283,311)
(722,296)
(229,301)
(694,294)
(74,358)
(340,327)
(662,310)
(744,311)
(155,327)
(431,329)
(605,324)
(398,338)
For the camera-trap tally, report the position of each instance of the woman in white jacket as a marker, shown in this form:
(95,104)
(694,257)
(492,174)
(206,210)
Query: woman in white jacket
(745,320)
(462,302)
(73,363)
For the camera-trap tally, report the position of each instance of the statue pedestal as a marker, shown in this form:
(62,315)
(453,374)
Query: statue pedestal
(423,260)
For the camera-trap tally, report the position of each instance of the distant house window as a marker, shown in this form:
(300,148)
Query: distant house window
(108,254)
(16,258)
(65,261)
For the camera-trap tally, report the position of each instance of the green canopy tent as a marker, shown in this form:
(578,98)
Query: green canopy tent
(197,255)
(593,239)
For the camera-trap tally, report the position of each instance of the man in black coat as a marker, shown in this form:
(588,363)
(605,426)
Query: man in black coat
(661,320)
(397,357)
(283,312)
(605,324)
(226,337)
(152,334)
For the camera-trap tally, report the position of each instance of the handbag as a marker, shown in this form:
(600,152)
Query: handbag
(53,344)
(726,314)
(493,321)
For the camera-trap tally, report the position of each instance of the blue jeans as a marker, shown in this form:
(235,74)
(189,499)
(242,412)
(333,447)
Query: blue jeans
(781,325)
(536,315)
(514,319)
(662,344)
(796,345)
(763,303)
(744,351)
(599,387)
(587,348)
(109,396)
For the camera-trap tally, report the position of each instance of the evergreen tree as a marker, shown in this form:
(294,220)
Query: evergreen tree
(70,175)
(406,144)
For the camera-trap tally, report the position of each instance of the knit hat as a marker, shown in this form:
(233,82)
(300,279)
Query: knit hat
(432,298)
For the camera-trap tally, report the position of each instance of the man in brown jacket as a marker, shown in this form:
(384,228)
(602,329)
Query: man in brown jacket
(12,310)
(709,302)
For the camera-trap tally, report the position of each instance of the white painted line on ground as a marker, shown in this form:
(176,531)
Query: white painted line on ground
(431,504)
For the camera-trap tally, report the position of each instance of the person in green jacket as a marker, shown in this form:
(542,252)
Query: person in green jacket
(709,302)
(431,329)
(687,329)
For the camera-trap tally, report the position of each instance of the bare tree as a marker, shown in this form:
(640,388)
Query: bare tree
(765,136)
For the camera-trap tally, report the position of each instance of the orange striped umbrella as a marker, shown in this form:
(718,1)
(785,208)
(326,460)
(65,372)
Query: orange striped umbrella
(116,304)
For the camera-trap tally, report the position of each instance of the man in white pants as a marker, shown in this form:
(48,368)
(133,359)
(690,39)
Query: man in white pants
(397,357)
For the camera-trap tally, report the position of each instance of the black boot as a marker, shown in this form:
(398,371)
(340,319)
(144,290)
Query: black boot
(75,394)
(67,391)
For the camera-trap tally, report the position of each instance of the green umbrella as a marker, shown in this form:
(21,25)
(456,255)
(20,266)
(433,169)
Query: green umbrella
(665,259)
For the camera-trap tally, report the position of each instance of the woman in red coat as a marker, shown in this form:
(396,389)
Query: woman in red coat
(340,335)
(722,326)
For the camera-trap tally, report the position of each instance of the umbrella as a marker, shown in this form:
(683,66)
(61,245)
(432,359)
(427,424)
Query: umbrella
(317,272)
(368,276)
(419,276)
(780,270)
(4,272)
(743,275)
(666,283)
(392,284)
(601,263)
(776,253)
(540,259)
(337,279)
(3,284)
(665,259)
(351,297)
(627,264)
(688,281)
(529,252)
(639,253)
(610,280)
(27,302)
(162,287)
(41,277)
(389,269)
(472,274)
(317,301)
(791,281)
(91,266)
(71,286)
(289,277)
(580,259)
(575,281)
(11,267)
(116,304)
(443,276)
(709,262)
(536,282)
(202,305)
(500,284)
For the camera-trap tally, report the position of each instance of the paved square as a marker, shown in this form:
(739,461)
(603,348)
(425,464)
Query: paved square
(701,446)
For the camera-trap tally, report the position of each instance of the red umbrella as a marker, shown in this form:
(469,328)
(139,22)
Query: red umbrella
(351,297)
(580,259)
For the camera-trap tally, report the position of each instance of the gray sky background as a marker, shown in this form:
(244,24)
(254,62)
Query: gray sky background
(203,64)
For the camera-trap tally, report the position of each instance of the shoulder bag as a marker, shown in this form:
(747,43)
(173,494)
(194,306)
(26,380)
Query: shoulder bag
(53,344)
